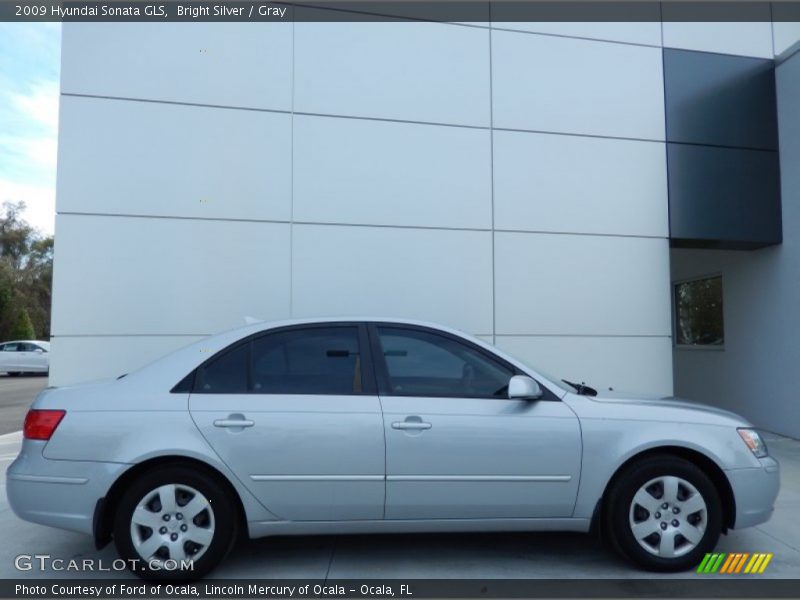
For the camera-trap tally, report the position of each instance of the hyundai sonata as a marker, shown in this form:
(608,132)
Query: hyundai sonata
(375,426)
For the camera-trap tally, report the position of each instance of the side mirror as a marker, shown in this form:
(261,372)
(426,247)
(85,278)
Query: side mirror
(522,387)
(39,351)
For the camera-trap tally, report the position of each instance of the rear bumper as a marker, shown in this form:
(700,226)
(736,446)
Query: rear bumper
(57,493)
(755,491)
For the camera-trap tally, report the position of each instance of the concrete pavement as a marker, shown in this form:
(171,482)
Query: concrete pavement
(16,395)
(545,555)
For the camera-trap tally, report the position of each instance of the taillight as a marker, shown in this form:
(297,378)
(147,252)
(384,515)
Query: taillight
(40,424)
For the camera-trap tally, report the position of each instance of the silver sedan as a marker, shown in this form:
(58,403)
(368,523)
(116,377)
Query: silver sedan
(376,426)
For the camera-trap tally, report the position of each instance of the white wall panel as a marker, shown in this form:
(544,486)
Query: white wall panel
(626,364)
(579,184)
(124,275)
(787,34)
(647,33)
(581,285)
(376,172)
(231,64)
(745,39)
(411,70)
(436,275)
(81,359)
(149,158)
(547,83)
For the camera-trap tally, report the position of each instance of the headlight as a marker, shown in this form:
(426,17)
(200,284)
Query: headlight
(754,442)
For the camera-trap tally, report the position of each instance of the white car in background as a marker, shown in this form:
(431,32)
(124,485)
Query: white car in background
(24,356)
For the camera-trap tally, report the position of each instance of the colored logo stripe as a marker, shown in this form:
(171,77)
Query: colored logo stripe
(740,564)
(764,564)
(728,562)
(701,568)
(734,562)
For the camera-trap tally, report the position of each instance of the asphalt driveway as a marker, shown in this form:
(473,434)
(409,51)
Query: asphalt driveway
(16,395)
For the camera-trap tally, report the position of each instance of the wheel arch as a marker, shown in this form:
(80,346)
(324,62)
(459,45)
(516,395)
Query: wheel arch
(706,464)
(104,510)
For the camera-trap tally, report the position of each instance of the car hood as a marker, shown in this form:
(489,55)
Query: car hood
(651,407)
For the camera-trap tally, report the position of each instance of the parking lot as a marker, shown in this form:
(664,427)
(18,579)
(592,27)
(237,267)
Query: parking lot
(511,556)
(16,395)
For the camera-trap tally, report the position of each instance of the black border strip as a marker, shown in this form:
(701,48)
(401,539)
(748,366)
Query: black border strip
(702,586)
(462,11)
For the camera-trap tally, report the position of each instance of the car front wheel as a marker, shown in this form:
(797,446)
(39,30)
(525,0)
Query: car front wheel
(664,514)
(174,522)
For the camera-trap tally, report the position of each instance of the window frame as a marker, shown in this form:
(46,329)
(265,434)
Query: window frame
(189,383)
(382,370)
(676,317)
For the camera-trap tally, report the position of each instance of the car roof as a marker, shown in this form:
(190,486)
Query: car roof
(25,342)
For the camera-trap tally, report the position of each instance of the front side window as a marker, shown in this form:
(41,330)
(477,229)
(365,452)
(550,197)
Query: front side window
(322,360)
(420,363)
(698,313)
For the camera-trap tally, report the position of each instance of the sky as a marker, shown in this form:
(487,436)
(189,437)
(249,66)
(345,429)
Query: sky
(30,60)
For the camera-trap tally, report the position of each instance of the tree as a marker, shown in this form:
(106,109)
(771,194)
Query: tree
(26,273)
(22,328)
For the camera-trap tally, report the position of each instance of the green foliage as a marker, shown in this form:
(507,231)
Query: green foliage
(22,328)
(700,316)
(26,273)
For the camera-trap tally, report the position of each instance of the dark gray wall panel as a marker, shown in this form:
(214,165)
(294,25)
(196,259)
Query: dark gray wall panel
(723,197)
(789,119)
(720,100)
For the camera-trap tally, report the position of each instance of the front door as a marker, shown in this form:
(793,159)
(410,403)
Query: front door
(456,446)
(30,357)
(294,413)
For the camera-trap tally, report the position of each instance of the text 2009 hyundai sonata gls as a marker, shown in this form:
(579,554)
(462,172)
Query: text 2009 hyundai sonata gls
(371,426)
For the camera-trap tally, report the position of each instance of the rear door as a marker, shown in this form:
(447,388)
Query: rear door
(295,414)
(27,358)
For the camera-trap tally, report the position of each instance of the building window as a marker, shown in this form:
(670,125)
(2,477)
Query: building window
(698,313)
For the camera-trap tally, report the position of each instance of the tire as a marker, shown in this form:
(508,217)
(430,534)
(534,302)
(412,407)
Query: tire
(203,535)
(664,514)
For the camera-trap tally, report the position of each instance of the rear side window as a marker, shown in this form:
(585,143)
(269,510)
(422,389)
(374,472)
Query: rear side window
(324,360)
(311,360)
(225,373)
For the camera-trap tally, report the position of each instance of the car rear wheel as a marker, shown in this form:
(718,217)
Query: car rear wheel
(664,514)
(174,522)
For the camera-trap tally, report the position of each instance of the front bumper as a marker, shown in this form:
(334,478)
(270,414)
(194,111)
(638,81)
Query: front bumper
(57,493)
(755,491)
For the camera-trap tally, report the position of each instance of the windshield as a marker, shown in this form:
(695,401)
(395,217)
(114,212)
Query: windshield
(556,381)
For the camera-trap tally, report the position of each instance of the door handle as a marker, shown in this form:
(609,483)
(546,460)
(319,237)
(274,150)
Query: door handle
(411,425)
(233,423)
